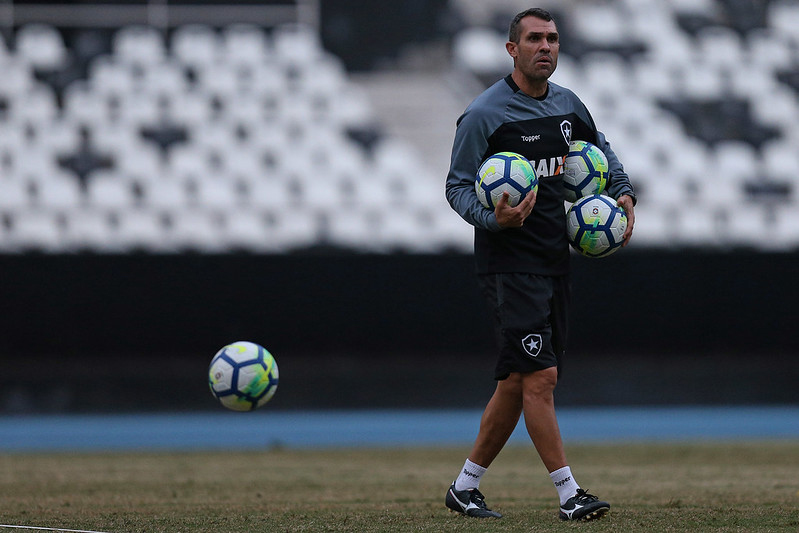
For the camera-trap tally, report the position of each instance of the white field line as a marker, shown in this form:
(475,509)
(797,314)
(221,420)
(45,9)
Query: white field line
(36,528)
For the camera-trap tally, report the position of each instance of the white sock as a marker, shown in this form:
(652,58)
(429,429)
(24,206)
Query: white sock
(469,478)
(564,483)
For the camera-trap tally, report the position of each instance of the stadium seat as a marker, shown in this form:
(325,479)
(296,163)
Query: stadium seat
(110,190)
(268,79)
(133,156)
(188,160)
(297,45)
(783,17)
(36,106)
(786,219)
(108,75)
(248,229)
(59,191)
(36,230)
(598,25)
(217,194)
(480,50)
(654,225)
(245,44)
(317,190)
(17,77)
(195,45)
(294,229)
(780,160)
(720,47)
(735,160)
(167,194)
(747,227)
(353,229)
(162,79)
(702,84)
(779,110)
(196,230)
(448,232)
(16,195)
(751,83)
(269,194)
(372,192)
(404,230)
(139,44)
(140,229)
(700,228)
(41,46)
(81,105)
(91,230)
(769,49)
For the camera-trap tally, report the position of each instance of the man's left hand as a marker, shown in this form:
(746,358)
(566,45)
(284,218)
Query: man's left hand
(626,202)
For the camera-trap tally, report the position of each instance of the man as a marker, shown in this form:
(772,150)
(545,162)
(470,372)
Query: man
(522,255)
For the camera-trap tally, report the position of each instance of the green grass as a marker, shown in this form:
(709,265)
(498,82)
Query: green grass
(680,487)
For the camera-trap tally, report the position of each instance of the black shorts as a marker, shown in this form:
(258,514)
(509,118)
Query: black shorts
(530,315)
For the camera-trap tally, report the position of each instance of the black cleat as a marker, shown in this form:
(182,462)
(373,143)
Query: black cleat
(469,502)
(583,506)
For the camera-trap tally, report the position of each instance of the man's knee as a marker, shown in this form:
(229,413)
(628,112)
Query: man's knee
(540,383)
(511,385)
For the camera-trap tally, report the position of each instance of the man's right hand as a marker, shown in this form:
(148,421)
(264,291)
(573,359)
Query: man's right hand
(514,217)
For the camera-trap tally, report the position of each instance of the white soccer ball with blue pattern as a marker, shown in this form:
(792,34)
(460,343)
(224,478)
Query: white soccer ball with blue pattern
(243,376)
(505,172)
(595,225)
(585,170)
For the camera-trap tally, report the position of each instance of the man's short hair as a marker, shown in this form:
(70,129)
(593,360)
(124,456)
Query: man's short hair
(537,12)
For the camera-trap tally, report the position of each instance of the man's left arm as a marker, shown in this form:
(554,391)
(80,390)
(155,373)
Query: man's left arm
(619,186)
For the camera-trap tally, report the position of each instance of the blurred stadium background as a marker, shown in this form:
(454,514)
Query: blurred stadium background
(178,175)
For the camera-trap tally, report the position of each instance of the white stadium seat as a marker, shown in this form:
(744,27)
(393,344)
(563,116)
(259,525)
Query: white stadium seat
(91,229)
(353,228)
(110,190)
(60,191)
(40,230)
(245,44)
(41,46)
(248,229)
(195,45)
(15,195)
(141,229)
(139,44)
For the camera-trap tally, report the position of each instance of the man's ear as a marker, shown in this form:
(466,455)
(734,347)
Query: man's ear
(510,46)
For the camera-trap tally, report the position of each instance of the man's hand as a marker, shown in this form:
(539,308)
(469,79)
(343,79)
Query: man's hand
(514,217)
(626,203)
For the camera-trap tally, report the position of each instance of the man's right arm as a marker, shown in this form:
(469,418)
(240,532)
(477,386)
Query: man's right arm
(467,152)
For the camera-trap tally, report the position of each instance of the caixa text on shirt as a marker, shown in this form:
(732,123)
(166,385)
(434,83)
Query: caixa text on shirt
(548,167)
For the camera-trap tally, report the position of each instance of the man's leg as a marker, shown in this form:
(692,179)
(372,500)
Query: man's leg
(499,419)
(540,418)
(542,425)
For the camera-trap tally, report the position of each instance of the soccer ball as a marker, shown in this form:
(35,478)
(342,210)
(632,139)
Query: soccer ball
(505,172)
(595,225)
(243,376)
(585,170)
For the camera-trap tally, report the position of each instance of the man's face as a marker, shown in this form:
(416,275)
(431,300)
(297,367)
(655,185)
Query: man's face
(536,53)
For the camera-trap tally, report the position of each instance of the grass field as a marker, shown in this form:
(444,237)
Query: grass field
(668,487)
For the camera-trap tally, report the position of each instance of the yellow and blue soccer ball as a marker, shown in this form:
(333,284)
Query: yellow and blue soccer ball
(505,172)
(595,225)
(585,171)
(243,376)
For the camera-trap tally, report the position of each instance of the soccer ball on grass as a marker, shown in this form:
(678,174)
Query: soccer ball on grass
(505,172)
(595,225)
(243,376)
(585,170)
